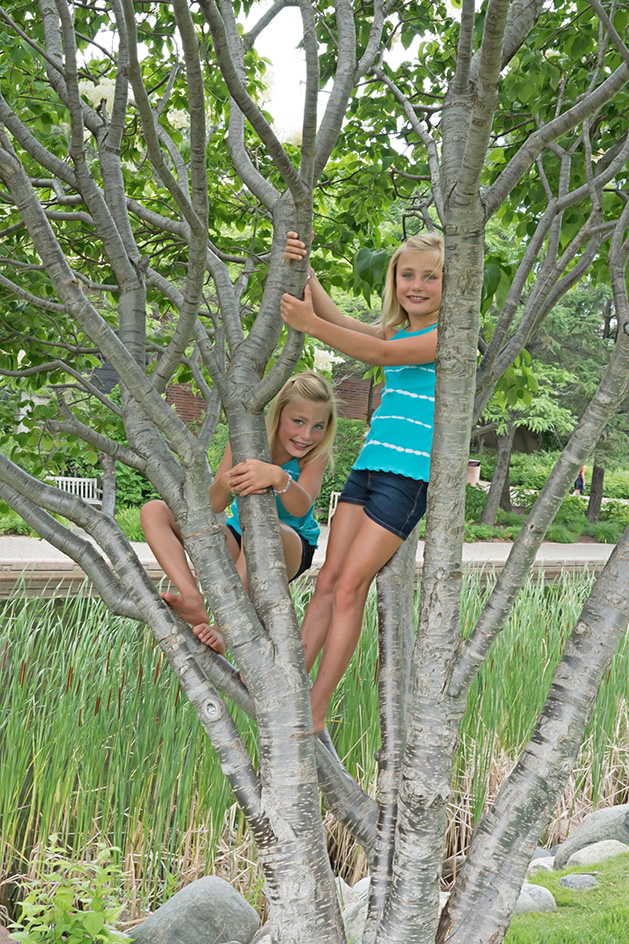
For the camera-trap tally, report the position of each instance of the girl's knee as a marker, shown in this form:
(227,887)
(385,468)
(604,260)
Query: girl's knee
(151,510)
(327,579)
(351,589)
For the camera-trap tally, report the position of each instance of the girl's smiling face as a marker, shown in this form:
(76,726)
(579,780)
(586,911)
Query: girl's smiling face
(302,426)
(418,279)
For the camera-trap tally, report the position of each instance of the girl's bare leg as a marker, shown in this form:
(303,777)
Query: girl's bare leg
(370,550)
(346,524)
(165,540)
(291,542)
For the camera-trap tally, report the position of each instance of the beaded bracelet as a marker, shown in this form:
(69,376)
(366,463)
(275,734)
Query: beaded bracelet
(286,487)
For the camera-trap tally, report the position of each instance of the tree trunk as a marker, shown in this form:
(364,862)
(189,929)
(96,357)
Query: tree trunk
(505,498)
(108,506)
(596,492)
(500,479)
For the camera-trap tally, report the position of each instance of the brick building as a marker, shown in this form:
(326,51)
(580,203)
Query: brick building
(352,393)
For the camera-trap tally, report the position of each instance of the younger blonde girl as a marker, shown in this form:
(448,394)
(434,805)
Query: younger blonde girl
(301,425)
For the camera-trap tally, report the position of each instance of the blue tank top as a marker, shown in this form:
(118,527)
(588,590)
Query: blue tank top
(401,431)
(305,526)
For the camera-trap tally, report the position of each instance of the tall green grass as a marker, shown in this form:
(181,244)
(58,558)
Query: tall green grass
(98,746)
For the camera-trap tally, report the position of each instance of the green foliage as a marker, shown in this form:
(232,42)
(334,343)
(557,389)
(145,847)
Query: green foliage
(12,523)
(129,522)
(607,532)
(475,499)
(532,470)
(132,488)
(347,444)
(560,534)
(218,445)
(70,902)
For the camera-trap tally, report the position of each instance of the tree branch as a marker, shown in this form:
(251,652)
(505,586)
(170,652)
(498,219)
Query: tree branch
(536,143)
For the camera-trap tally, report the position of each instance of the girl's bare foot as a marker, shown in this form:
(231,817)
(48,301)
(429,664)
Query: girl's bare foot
(211,637)
(190,607)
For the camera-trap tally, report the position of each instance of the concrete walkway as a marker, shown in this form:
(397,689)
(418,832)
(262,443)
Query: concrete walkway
(36,566)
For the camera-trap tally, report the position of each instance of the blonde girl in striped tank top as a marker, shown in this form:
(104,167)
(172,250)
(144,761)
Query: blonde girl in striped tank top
(385,494)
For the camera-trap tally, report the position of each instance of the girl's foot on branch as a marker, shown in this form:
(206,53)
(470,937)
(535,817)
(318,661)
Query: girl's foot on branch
(190,607)
(211,637)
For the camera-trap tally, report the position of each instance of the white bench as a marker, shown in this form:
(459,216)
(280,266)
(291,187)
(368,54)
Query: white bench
(87,489)
(334,500)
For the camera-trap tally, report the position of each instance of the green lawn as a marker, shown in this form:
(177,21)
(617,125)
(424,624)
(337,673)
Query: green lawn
(597,916)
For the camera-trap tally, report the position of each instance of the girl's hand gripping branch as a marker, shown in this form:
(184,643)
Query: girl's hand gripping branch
(253,477)
(299,314)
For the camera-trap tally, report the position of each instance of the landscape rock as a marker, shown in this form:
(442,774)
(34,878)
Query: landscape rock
(361,888)
(208,911)
(535,898)
(579,881)
(597,852)
(610,823)
(354,918)
(347,895)
(540,853)
(4,936)
(546,864)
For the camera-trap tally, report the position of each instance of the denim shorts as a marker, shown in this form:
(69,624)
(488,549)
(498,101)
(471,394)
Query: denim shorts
(307,552)
(393,501)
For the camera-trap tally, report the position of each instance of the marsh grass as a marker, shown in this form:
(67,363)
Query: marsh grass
(98,746)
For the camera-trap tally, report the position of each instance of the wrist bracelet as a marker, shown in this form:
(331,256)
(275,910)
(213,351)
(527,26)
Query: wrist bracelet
(311,274)
(286,487)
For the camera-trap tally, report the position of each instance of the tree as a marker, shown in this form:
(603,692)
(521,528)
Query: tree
(115,203)
(586,321)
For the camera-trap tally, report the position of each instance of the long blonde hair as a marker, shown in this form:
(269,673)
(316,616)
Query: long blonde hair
(305,386)
(392,312)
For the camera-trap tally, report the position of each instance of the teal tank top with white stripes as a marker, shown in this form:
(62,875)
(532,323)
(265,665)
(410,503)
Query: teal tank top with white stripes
(305,526)
(401,431)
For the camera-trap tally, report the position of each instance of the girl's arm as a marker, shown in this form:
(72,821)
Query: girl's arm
(372,350)
(322,303)
(254,476)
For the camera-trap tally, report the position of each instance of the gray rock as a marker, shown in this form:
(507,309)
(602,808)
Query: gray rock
(598,851)
(361,888)
(347,895)
(354,918)
(535,898)
(208,911)
(541,865)
(540,853)
(610,823)
(579,881)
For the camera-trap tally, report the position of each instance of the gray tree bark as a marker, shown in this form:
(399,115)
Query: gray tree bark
(500,476)
(424,677)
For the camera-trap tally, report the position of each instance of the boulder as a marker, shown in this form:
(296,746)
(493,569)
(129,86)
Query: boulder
(541,865)
(610,823)
(579,881)
(540,853)
(354,918)
(361,888)
(535,898)
(208,911)
(347,895)
(598,851)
